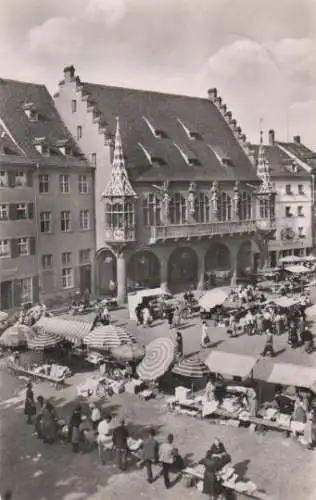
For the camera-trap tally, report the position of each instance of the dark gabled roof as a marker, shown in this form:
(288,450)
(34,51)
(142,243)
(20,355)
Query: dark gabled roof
(13,96)
(302,152)
(279,162)
(164,111)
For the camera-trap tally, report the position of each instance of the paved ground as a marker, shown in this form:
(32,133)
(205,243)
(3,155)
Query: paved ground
(35,471)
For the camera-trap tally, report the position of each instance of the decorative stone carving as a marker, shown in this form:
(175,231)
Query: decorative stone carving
(236,200)
(164,202)
(190,202)
(214,200)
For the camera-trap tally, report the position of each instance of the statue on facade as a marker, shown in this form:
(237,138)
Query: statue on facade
(214,199)
(236,200)
(191,199)
(164,201)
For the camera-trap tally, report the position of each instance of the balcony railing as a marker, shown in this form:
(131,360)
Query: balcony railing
(175,231)
(119,235)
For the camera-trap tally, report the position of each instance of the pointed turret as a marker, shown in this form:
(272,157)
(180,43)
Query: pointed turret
(119,185)
(263,170)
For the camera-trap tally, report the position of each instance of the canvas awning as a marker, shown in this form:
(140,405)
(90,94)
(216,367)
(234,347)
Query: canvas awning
(68,329)
(286,302)
(290,374)
(297,269)
(225,363)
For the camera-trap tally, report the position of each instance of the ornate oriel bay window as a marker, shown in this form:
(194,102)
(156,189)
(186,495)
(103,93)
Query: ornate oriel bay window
(119,215)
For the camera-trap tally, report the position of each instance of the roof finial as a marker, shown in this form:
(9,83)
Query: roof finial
(261,131)
(119,184)
(263,170)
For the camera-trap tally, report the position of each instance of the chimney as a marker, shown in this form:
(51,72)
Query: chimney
(219,102)
(271,137)
(223,109)
(212,94)
(69,73)
(297,139)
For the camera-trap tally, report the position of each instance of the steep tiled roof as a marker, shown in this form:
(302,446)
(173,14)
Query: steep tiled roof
(301,152)
(20,132)
(139,111)
(279,162)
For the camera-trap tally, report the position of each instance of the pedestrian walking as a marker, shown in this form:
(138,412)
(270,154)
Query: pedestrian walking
(205,340)
(170,318)
(95,415)
(268,348)
(150,453)
(49,424)
(120,436)
(39,417)
(104,439)
(74,433)
(179,345)
(29,406)
(167,455)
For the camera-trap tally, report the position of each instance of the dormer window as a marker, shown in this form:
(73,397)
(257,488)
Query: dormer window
(187,155)
(192,134)
(155,130)
(294,168)
(150,155)
(64,147)
(30,111)
(41,146)
(223,158)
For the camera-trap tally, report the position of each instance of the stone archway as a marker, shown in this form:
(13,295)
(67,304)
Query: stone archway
(217,264)
(143,270)
(244,259)
(183,269)
(106,272)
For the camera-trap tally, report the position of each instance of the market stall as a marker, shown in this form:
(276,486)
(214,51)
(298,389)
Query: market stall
(213,298)
(295,375)
(16,336)
(235,365)
(74,331)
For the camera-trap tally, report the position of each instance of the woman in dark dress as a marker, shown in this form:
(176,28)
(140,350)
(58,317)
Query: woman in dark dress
(29,407)
(216,457)
(179,342)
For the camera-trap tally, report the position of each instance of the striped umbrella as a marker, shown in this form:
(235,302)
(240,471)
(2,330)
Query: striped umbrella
(43,340)
(158,358)
(107,337)
(191,368)
(71,330)
(128,352)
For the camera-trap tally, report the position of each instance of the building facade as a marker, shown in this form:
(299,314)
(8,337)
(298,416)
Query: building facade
(46,201)
(291,168)
(177,200)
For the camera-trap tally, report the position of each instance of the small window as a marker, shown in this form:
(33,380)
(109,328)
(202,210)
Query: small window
(79,131)
(67,278)
(65,223)
(43,183)
(4,212)
(84,219)
(3,178)
(300,232)
(288,189)
(23,247)
(74,106)
(20,178)
(21,211)
(93,158)
(47,261)
(288,212)
(301,189)
(64,184)
(300,212)
(4,249)
(66,258)
(84,255)
(83,184)
(46,222)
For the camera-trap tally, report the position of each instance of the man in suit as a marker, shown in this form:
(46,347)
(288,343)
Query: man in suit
(120,436)
(150,453)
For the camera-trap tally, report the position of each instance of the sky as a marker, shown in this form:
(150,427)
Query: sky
(260,54)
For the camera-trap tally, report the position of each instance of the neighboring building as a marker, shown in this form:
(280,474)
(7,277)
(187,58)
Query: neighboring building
(185,202)
(46,201)
(291,168)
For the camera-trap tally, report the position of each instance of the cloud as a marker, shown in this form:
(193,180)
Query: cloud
(261,55)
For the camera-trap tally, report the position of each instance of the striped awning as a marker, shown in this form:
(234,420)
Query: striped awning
(107,337)
(226,363)
(43,340)
(191,368)
(67,329)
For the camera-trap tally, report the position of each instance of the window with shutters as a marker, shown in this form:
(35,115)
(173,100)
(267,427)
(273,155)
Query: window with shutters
(4,211)
(46,222)
(64,184)
(66,258)
(21,211)
(20,178)
(4,249)
(44,183)
(84,219)
(84,255)
(4,181)
(83,184)
(47,261)
(23,245)
(67,278)
(65,222)
(26,290)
